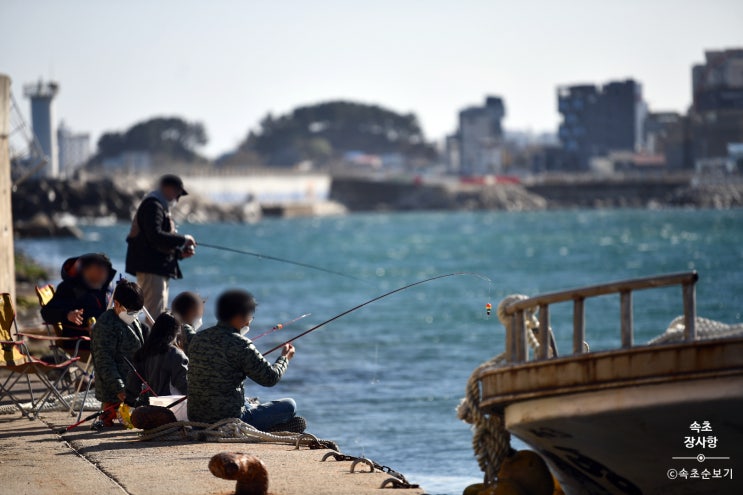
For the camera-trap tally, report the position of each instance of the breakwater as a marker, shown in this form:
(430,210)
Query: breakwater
(361,194)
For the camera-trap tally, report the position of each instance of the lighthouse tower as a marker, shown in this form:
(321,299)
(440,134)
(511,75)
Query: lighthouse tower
(42,96)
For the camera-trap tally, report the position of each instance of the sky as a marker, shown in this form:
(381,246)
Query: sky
(228,63)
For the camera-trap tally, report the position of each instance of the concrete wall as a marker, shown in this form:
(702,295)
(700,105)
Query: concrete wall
(7,261)
(608,193)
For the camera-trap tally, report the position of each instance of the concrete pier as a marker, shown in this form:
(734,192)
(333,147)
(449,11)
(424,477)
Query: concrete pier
(37,461)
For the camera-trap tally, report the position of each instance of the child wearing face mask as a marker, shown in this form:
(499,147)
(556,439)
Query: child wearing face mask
(189,308)
(117,334)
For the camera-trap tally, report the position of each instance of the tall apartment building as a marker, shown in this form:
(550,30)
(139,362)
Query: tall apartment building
(74,149)
(597,120)
(477,146)
(716,115)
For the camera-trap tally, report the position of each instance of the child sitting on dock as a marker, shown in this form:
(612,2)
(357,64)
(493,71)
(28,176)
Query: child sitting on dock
(159,362)
(117,334)
(189,308)
(220,361)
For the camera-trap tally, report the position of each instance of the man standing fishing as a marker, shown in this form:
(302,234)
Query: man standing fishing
(220,361)
(154,246)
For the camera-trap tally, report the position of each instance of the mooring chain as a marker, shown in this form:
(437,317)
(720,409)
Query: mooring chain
(397,480)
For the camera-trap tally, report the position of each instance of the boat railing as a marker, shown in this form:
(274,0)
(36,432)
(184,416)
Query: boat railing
(516,338)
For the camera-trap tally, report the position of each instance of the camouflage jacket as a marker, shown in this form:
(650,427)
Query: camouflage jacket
(111,341)
(219,361)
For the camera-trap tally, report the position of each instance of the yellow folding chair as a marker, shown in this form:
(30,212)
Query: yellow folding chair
(22,364)
(45,294)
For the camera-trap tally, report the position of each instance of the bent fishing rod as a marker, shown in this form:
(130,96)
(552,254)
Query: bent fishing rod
(276,258)
(370,301)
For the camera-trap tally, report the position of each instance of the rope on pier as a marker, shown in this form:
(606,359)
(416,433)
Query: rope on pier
(91,404)
(230,430)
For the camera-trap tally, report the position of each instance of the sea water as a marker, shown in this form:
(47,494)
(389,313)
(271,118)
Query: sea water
(384,381)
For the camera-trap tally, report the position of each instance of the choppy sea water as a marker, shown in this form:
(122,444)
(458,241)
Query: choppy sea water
(384,381)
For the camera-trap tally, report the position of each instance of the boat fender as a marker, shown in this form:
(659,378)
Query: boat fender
(249,472)
(148,417)
(529,471)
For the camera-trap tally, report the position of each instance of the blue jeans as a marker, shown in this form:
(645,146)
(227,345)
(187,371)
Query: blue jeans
(264,416)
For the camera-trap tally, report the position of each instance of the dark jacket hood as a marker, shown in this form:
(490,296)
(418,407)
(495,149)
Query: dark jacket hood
(72,268)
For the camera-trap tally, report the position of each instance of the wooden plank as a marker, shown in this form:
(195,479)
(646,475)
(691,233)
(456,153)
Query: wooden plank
(520,338)
(544,331)
(511,340)
(625,311)
(7,259)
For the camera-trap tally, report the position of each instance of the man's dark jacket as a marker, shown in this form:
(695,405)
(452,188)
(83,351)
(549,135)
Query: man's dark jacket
(153,243)
(73,293)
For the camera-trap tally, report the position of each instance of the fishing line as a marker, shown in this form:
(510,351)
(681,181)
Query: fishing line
(370,301)
(276,258)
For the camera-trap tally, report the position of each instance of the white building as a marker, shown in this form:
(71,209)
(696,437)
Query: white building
(477,147)
(74,149)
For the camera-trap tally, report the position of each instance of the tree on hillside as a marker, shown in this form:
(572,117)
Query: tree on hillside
(169,136)
(326,130)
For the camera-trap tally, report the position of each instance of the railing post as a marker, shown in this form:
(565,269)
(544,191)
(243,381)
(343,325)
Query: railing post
(511,340)
(544,331)
(690,311)
(520,337)
(579,325)
(626,318)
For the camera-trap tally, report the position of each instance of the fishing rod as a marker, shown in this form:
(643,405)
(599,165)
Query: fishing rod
(279,326)
(148,388)
(276,258)
(370,301)
(112,407)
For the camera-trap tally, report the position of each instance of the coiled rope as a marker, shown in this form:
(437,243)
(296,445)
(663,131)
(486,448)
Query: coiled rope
(230,430)
(706,330)
(91,404)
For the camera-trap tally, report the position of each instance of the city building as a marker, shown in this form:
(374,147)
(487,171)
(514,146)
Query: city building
(74,149)
(716,115)
(42,96)
(667,134)
(598,120)
(477,146)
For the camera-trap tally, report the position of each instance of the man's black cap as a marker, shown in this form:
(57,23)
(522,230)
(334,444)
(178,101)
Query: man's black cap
(173,180)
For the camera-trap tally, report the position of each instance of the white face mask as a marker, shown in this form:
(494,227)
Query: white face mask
(197,323)
(172,203)
(127,318)
(244,330)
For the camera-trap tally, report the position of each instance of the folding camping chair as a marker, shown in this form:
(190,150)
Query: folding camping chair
(22,364)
